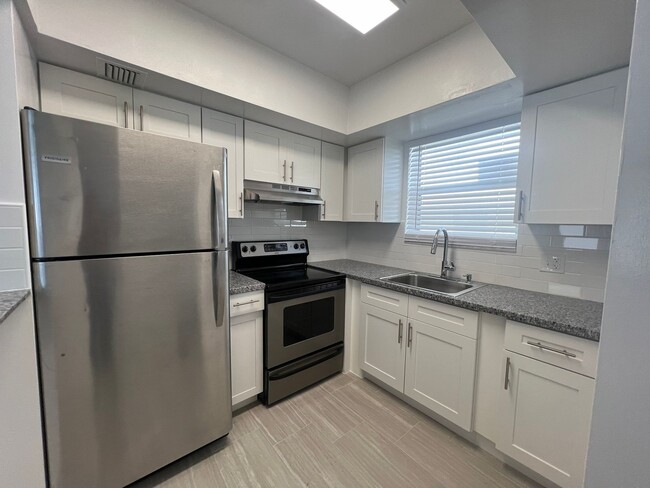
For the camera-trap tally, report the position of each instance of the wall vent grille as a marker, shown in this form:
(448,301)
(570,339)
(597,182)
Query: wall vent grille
(120,74)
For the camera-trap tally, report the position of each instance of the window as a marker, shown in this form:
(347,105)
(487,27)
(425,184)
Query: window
(466,182)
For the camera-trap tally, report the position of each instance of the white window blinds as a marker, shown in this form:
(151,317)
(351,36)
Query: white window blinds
(466,183)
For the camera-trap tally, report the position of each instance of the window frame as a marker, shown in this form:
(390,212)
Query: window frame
(508,246)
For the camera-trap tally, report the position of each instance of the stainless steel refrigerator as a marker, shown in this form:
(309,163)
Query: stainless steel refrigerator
(128,237)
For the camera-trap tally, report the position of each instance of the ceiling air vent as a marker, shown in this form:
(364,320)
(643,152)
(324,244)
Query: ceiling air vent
(120,74)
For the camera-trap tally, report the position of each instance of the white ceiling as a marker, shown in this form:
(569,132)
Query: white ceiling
(310,34)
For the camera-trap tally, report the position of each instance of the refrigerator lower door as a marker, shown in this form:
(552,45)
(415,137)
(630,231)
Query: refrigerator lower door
(134,361)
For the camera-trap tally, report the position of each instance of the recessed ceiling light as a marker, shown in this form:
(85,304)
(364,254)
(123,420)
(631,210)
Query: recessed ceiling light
(363,15)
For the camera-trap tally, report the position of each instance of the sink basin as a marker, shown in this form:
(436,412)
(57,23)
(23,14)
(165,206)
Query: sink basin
(436,284)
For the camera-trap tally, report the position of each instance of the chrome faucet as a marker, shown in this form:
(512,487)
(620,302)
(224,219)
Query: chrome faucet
(446,265)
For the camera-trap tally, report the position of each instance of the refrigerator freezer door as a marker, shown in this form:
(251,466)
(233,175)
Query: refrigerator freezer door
(135,363)
(97,190)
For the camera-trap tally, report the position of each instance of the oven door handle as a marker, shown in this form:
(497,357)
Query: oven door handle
(298,366)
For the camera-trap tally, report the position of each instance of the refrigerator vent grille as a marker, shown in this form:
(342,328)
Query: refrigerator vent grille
(120,74)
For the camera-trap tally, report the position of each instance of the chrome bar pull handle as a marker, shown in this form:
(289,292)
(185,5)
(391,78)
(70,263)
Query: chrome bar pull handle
(552,349)
(284,170)
(292,171)
(126,115)
(520,210)
(376,210)
(399,331)
(506,382)
(141,118)
(324,208)
(245,303)
(410,335)
(241,203)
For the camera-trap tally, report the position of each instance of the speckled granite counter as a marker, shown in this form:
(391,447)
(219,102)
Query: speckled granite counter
(9,300)
(243,284)
(580,318)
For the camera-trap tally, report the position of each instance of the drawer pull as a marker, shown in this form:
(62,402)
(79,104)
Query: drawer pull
(245,303)
(552,349)
(399,331)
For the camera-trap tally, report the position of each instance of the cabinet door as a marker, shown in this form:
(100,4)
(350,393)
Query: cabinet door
(246,354)
(545,417)
(363,182)
(72,94)
(332,174)
(265,153)
(440,371)
(383,345)
(227,131)
(303,157)
(570,151)
(166,116)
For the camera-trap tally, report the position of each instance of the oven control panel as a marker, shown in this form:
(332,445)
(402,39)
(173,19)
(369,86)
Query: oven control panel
(272,248)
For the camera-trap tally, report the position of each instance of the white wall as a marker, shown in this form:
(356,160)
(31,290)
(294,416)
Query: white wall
(461,63)
(267,221)
(620,434)
(174,40)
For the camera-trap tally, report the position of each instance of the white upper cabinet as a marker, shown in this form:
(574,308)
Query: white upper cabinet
(72,94)
(570,152)
(277,156)
(373,182)
(304,159)
(332,174)
(227,131)
(166,117)
(266,153)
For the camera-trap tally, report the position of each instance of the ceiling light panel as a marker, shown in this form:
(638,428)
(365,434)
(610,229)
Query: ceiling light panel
(363,15)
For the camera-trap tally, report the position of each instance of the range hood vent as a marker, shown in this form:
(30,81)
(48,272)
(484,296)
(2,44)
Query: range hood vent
(119,73)
(258,191)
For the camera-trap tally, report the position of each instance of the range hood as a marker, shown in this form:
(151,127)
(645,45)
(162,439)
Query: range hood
(258,191)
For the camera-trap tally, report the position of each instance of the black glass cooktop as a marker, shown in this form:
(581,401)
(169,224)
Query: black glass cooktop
(291,277)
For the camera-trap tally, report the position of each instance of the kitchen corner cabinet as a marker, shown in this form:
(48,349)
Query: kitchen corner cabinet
(332,174)
(277,156)
(373,182)
(246,345)
(72,94)
(424,349)
(227,131)
(545,405)
(570,152)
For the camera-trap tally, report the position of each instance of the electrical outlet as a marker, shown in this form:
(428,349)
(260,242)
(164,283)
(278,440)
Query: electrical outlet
(552,263)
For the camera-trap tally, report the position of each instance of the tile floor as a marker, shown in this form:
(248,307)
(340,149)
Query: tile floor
(344,432)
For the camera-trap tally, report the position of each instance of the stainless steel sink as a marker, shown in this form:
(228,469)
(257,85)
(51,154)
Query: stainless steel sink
(444,286)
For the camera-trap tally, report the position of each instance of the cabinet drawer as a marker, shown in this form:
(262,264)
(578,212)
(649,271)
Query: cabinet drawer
(390,300)
(246,303)
(568,352)
(448,317)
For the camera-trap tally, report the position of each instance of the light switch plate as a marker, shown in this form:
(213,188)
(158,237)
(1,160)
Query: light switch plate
(552,263)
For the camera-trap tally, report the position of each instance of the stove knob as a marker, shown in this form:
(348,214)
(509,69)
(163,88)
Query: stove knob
(302,245)
(244,249)
(253,248)
(295,246)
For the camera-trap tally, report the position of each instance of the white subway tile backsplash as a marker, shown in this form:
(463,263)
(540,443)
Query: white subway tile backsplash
(13,248)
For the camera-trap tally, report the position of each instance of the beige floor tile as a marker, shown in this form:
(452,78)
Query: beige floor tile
(339,381)
(280,420)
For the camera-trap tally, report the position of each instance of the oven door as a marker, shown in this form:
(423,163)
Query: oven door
(302,321)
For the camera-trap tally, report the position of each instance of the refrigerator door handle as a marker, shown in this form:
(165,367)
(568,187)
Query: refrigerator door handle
(220,286)
(220,222)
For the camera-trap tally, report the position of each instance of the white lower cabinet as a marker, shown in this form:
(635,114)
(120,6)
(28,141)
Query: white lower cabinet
(246,351)
(440,371)
(430,364)
(545,414)
(383,345)
(246,345)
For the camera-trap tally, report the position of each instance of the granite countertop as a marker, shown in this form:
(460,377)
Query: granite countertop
(9,300)
(243,284)
(580,318)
